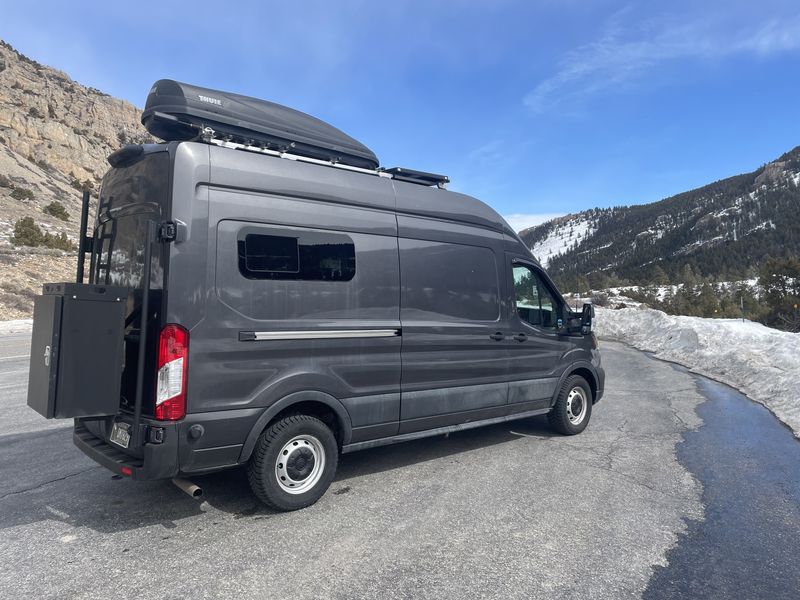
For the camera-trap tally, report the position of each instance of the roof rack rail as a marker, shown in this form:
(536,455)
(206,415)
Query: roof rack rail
(419,177)
(209,136)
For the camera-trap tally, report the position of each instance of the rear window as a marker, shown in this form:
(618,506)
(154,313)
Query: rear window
(129,197)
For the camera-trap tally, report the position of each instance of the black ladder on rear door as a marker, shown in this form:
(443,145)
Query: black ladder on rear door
(102,250)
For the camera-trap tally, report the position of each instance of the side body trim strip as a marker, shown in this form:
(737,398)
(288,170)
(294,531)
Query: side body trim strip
(330,334)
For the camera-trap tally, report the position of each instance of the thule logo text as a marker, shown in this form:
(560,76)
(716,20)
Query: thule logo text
(210,100)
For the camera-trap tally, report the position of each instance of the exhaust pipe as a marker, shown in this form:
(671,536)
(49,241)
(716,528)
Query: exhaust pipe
(195,491)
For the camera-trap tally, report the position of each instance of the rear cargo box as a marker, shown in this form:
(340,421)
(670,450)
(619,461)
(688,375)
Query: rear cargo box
(76,350)
(179,111)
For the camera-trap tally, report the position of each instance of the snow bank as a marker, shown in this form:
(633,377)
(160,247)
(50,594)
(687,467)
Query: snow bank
(761,362)
(18,326)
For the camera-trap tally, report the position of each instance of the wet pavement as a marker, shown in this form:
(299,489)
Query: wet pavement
(748,544)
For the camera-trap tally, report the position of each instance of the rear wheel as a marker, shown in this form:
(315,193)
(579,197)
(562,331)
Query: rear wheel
(293,463)
(573,407)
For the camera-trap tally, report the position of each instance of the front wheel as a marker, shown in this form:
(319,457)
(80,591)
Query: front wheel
(293,463)
(573,408)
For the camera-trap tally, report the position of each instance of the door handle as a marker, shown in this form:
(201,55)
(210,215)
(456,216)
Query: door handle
(520,337)
(497,336)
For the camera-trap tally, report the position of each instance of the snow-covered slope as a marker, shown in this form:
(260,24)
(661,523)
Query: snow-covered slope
(564,235)
(761,362)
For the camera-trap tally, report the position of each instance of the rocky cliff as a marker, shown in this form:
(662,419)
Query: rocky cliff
(55,135)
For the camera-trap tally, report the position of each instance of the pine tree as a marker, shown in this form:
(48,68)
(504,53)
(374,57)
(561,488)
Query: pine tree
(780,281)
(659,276)
(687,276)
(707,302)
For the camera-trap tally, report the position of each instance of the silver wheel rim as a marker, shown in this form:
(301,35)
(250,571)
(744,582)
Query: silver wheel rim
(577,405)
(300,464)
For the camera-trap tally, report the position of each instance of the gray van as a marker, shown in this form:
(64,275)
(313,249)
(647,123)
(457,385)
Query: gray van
(300,302)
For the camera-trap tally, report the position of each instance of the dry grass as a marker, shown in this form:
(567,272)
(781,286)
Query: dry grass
(22,276)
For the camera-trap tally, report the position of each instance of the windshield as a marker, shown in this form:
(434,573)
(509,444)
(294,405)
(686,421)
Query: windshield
(130,197)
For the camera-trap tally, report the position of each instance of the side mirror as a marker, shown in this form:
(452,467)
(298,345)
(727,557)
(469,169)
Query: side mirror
(576,323)
(587,315)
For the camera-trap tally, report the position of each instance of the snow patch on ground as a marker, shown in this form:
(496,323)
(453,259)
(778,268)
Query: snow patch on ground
(16,326)
(649,235)
(761,362)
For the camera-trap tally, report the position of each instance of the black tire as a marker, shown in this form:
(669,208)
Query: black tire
(305,440)
(561,417)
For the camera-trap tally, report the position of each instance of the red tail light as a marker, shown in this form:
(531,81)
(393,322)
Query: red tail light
(173,365)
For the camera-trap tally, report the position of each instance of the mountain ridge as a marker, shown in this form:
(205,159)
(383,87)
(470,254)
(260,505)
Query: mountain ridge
(724,230)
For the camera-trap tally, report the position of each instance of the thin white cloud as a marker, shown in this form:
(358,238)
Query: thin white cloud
(521,221)
(489,152)
(773,37)
(626,51)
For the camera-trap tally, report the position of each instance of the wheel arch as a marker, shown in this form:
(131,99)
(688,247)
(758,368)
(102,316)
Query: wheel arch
(312,402)
(586,371)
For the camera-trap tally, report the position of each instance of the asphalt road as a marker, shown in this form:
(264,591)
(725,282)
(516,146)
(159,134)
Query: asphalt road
(626,509)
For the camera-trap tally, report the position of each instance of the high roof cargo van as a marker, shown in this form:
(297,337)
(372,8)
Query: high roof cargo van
(261,293)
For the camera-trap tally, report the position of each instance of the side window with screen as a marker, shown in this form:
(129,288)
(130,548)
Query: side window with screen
(535,303)
(271,254)
(267,253)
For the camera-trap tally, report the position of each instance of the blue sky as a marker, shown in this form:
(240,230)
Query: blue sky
(538,107)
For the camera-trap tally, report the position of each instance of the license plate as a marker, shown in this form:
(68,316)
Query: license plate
(121,434)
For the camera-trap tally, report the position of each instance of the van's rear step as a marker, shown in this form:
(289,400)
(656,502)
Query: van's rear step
(160,460)
(104,453)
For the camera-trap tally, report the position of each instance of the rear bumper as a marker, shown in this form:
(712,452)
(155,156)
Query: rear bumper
(159,461)
(218,445)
